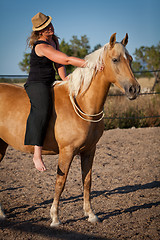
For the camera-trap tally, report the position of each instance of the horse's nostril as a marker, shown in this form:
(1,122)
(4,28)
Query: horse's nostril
(132,90)
(139,89)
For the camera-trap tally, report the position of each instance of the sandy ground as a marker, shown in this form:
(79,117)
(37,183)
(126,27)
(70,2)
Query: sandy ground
(125,192)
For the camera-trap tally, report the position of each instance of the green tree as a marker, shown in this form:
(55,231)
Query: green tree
(80,47)
(65,48)
(98,46)
(148,58)
(24,65)
(76,47)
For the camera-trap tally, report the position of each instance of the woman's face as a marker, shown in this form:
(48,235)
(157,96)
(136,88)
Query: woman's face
(48,31)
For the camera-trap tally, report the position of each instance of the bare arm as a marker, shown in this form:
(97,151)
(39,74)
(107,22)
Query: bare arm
(62,72)
(57,56)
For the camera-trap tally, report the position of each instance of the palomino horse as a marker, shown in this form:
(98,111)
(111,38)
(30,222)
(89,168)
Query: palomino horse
(76,124)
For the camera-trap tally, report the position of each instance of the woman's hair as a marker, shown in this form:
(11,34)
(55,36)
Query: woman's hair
(35,35)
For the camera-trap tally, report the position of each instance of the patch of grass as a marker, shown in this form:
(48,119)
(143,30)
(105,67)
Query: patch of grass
(135,113)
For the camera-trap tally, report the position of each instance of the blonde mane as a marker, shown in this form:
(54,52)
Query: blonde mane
(81,78)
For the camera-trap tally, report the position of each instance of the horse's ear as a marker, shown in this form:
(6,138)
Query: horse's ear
(125,40)
(112,40)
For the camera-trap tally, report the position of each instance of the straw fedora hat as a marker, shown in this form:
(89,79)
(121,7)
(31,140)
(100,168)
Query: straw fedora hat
(40,21)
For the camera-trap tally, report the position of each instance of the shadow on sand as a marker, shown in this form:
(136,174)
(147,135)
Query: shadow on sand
(33,227)
(38,230)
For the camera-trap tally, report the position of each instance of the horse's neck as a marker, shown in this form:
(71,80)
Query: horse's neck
(92,101)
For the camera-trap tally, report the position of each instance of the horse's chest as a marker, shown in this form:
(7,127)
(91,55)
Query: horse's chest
(92,136)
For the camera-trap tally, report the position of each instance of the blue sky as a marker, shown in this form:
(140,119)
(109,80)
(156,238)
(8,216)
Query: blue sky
(98,19)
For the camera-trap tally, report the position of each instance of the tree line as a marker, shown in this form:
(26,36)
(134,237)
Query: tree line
(146,58)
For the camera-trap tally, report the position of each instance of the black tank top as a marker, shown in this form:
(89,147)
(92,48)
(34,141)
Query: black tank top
(41,68)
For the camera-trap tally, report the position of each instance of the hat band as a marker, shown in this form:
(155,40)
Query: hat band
(43,23)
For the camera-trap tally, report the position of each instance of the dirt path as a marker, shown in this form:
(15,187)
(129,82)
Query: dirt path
(125,192)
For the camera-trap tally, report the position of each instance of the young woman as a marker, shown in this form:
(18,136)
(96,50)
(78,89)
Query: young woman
(45,51)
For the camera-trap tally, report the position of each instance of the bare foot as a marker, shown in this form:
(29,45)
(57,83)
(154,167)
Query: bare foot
(39,164)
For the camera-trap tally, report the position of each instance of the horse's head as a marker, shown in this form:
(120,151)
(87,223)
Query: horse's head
(118,67)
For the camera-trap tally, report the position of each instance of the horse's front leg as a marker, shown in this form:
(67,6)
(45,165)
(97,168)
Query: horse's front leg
(86,166)
(2,215)
(64,162)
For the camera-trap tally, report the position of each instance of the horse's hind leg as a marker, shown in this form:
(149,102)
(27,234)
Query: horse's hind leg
(86,165)
(3,147)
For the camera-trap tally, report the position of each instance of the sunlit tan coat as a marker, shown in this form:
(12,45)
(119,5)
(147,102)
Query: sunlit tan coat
(70,131)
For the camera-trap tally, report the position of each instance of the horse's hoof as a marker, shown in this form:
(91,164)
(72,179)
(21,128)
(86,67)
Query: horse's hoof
(55,224)
(93,219)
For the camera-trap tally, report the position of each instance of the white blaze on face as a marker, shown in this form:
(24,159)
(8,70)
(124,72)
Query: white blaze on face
(125,56)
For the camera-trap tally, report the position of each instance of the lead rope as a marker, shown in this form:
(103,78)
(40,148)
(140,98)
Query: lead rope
(77,110)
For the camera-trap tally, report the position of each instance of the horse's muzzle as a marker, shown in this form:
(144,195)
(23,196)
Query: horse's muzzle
(132,91)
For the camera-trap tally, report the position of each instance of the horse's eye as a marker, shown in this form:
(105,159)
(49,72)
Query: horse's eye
(115,60)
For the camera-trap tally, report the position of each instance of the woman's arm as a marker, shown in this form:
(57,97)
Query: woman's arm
(62,71)
(57,56)
(60,68)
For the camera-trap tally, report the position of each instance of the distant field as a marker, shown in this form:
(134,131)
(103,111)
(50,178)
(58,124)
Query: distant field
(146,82)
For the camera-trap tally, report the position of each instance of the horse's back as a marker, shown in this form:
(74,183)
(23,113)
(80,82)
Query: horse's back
(11,93)
(13,98)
